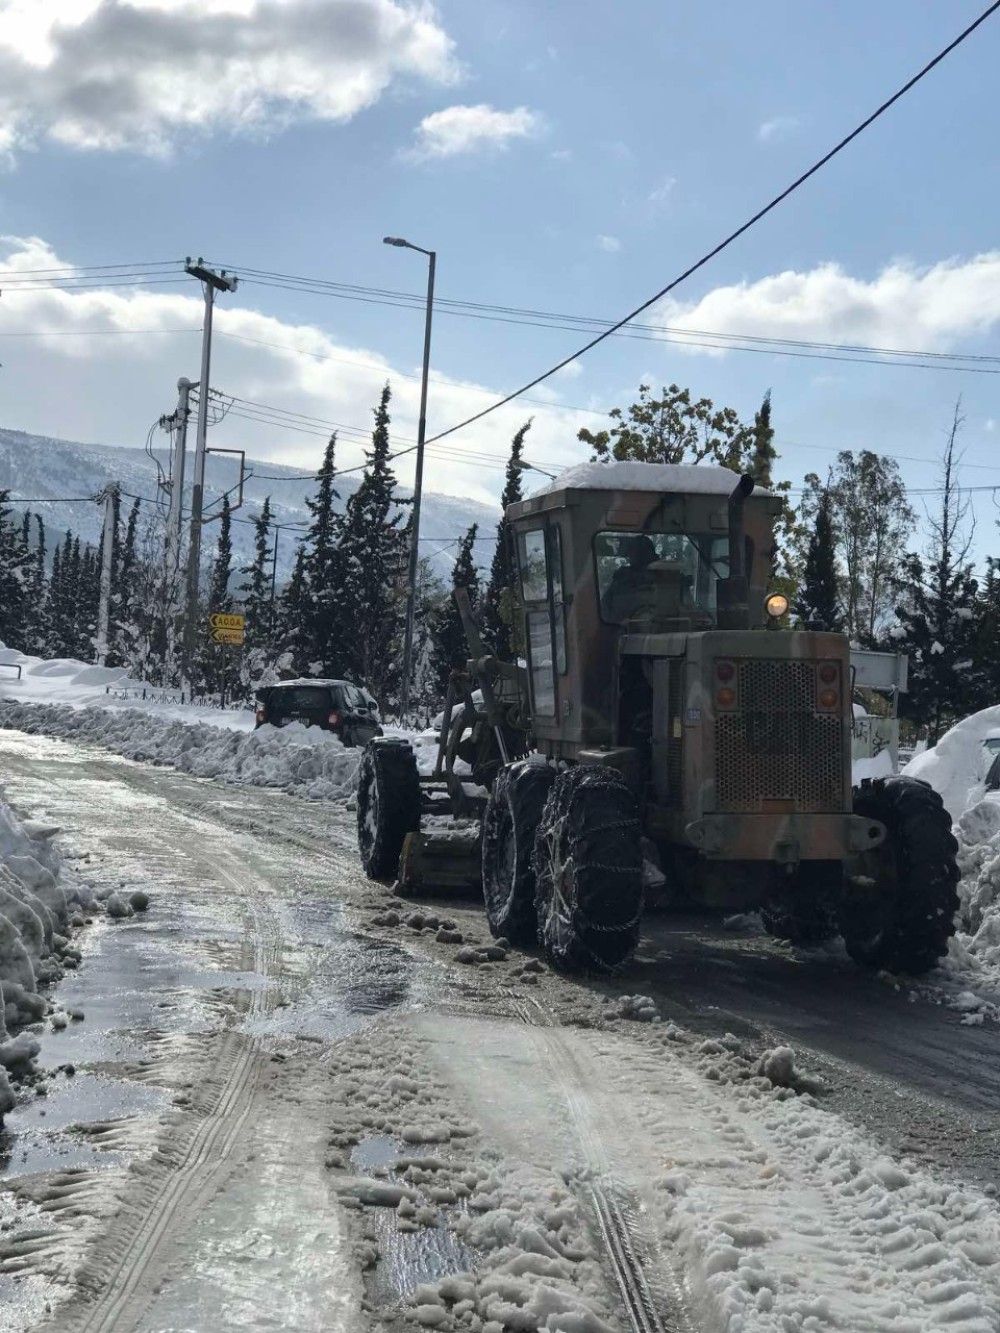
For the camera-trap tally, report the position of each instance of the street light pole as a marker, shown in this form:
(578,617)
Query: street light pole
(418,481)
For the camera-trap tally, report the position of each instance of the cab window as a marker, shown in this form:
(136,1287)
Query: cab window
(534,561)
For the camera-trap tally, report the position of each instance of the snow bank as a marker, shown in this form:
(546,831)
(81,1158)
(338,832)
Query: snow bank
(75,684)
(305,760)
(952,767)
(37,907)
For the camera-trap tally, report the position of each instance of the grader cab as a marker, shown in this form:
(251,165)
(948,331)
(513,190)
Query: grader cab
(665,729)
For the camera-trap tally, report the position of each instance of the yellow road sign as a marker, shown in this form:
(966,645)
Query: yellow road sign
(230,636)
(227,620)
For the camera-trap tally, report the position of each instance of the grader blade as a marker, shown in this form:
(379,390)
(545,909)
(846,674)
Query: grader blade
(444,859)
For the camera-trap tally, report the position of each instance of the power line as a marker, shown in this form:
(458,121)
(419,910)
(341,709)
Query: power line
(141,266)
(734,235)
(90,333)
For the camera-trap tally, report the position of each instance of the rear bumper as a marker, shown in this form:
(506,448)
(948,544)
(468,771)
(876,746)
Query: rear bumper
(785,839)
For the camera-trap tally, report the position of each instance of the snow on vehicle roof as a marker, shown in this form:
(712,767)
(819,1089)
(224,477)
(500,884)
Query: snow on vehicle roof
(692,479)
(320,682)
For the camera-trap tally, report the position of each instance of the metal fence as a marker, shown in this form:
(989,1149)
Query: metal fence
(149,694)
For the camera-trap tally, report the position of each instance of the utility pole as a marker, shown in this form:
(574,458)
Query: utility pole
(178,420)
(211,282)
(109,496)
(418,480)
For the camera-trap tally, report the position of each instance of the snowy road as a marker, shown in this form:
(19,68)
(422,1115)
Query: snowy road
(292,1110)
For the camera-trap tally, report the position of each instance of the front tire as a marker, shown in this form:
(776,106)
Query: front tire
(513,814)
(588,870)
(898,910)
(388,805)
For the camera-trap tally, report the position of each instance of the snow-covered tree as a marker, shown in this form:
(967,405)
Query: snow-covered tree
(374,549)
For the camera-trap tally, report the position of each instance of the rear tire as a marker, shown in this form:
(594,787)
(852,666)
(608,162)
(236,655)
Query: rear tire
(899,911)
(803,908)
(388,805)
(513,814)
(588,870)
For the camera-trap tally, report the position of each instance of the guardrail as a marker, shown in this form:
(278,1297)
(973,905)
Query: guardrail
(149,694)
(11,666)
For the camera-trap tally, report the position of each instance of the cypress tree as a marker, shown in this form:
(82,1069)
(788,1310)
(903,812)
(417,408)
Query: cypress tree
(128,615)
(763,456)
(451,650)
(496,610)
(320,592)
(256,587)
(293,640)
(374,550)
(214,657)
(14,578)
(817,599)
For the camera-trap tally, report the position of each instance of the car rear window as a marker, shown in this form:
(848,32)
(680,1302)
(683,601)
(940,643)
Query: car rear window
(300,699)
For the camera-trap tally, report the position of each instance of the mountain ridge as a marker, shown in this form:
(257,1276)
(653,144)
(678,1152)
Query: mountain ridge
(46,470)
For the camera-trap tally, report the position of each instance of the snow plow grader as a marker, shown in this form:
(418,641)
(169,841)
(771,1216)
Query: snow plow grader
(663,730)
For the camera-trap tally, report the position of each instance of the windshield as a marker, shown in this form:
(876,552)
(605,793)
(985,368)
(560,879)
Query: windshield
(660,576)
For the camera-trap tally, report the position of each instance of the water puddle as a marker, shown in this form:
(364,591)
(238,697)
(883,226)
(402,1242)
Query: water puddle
(406,1258)
(351,981)
(35,1134)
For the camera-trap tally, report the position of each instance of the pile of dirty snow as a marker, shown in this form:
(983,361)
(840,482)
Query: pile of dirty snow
(305,760)
(974,952)
(39,904)
(952,766)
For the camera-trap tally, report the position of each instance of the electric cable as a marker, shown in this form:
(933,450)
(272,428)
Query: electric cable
(739,231)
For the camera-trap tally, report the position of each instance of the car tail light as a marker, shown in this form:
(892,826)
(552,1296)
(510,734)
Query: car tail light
(725,670)
(334,718)
(725,697)
(261,715)
(829,698)
(828,672)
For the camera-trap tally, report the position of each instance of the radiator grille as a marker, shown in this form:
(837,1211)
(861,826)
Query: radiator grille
(776,747)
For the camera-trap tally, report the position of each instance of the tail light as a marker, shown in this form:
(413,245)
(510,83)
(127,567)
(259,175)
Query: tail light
(334,718)
(829,680)
(725,686)
(261,714)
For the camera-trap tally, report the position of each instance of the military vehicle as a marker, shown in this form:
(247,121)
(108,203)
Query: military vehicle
(665,727)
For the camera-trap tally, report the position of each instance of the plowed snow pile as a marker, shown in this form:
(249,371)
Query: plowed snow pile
(305,760)
(38,905)
(952,768)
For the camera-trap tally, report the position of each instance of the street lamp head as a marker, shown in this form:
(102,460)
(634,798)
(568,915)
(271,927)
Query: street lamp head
(396,240)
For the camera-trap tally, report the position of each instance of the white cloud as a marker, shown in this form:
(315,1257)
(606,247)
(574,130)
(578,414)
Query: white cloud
(903,306)
(141,341)
(663,191)
(469,129)
(116,74)
(609,244)
(779,127)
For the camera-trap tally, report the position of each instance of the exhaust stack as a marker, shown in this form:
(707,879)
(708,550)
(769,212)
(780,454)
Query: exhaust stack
(733,593)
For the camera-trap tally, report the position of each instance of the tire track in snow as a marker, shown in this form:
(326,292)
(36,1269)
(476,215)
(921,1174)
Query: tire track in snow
(125,1289)
(643,1302)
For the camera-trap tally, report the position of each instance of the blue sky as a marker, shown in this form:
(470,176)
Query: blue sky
(570,157)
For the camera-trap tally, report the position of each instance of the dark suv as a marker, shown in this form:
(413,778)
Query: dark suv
(347,710)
